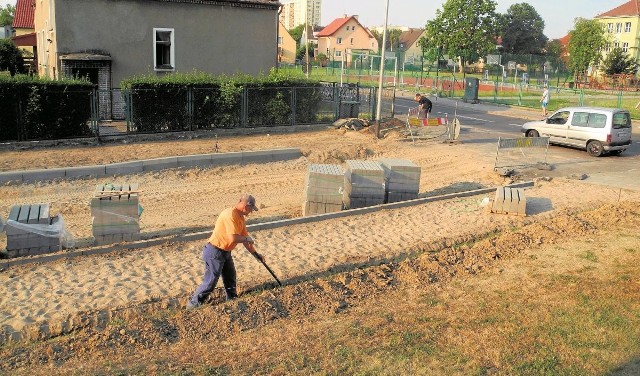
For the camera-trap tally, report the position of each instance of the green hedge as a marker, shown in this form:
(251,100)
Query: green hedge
(41,109)
(201,101)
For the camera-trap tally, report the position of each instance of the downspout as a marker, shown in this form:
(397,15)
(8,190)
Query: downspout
(278,36)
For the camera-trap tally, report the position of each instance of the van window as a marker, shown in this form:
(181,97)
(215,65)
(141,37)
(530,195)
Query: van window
(597,120)
(559,118)
(621,120)
(580,119)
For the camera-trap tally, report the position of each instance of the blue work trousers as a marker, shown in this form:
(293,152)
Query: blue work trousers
(218,263)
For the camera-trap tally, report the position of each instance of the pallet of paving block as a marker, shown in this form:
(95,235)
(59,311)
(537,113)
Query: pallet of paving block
(509,201)
(115,201)
(22,237)
(115,238)
(107,191)
(312,208)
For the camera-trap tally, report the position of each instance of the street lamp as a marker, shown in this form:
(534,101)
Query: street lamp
(384,43)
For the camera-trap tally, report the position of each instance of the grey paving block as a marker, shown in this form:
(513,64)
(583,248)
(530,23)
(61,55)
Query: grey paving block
(226,158)
(259,156)
(30,176)
(286,154)
(86,171)
(10,177)
(196,160)
(124,168)
(159,163)
(509,200)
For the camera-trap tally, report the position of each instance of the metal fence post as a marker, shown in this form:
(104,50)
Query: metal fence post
(244,116)
(190,107)
(93,99)
(128,109)
(619,105)
(293,106)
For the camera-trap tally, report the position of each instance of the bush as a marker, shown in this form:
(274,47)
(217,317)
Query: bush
(38,109)
(202,101)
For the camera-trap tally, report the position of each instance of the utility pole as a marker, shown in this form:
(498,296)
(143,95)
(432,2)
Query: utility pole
(384,43)
(306,40)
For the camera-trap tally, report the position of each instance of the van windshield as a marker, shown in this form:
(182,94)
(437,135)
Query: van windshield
(621,120)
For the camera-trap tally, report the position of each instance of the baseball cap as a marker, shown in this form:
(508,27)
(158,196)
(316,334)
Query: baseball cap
(250,200)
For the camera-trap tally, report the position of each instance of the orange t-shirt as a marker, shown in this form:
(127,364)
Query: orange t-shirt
(229,222)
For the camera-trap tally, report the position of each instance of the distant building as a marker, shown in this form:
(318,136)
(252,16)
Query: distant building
(344,37)
(299,12)
(5,31)
(409,44)
(622,25)
(24,34)
(380,29)
(286,46)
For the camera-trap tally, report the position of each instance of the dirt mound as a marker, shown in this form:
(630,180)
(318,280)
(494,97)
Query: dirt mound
(156,326)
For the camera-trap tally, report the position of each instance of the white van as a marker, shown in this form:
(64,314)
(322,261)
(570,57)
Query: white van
(598,130)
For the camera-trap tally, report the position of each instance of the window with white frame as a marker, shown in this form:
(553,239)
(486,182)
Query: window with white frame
(625,47)
(618,27)
(616,44)
(280,40)
(610,28)
(627,27)
(339,41)
(338,53)
(163,49)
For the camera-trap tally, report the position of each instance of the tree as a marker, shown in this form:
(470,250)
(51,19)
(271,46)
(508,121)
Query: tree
(6,15)
(522,30)
(393,39)
(464,28)
(11,58)
(555,54)
(301,52)
(378,37)
(296,33)
(585,46)
(619,62)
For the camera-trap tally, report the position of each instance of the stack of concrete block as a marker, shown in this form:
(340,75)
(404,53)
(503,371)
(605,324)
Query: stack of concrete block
(509,201)
(115,213)
(31,235)
(363,184)
(402,179)
(323,189)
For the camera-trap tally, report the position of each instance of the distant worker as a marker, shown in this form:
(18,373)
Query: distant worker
(230,230)
(545,100)
(424,105)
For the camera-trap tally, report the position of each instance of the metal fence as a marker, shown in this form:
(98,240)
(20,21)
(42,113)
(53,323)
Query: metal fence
(521,152)
(529,94)
(118,112)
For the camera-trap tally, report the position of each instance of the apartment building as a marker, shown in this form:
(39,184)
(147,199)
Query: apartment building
(299,12)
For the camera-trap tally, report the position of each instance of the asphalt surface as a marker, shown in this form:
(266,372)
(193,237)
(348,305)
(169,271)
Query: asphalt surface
(483,123)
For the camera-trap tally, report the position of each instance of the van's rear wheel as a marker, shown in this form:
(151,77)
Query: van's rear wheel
(532,133)
(594,148)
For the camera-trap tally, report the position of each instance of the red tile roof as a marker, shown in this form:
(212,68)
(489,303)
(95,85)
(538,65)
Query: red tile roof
(23,18)
(336,24)
(409,37)
(630,8)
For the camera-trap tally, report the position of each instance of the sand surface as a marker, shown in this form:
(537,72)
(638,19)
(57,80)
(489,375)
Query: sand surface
(183,201)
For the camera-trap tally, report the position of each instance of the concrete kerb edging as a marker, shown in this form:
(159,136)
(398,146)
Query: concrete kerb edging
(253,227)
(132,167)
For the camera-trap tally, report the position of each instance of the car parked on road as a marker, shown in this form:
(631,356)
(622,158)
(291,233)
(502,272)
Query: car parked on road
(597,130)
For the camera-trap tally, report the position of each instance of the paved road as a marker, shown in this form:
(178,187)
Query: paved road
(482,125)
